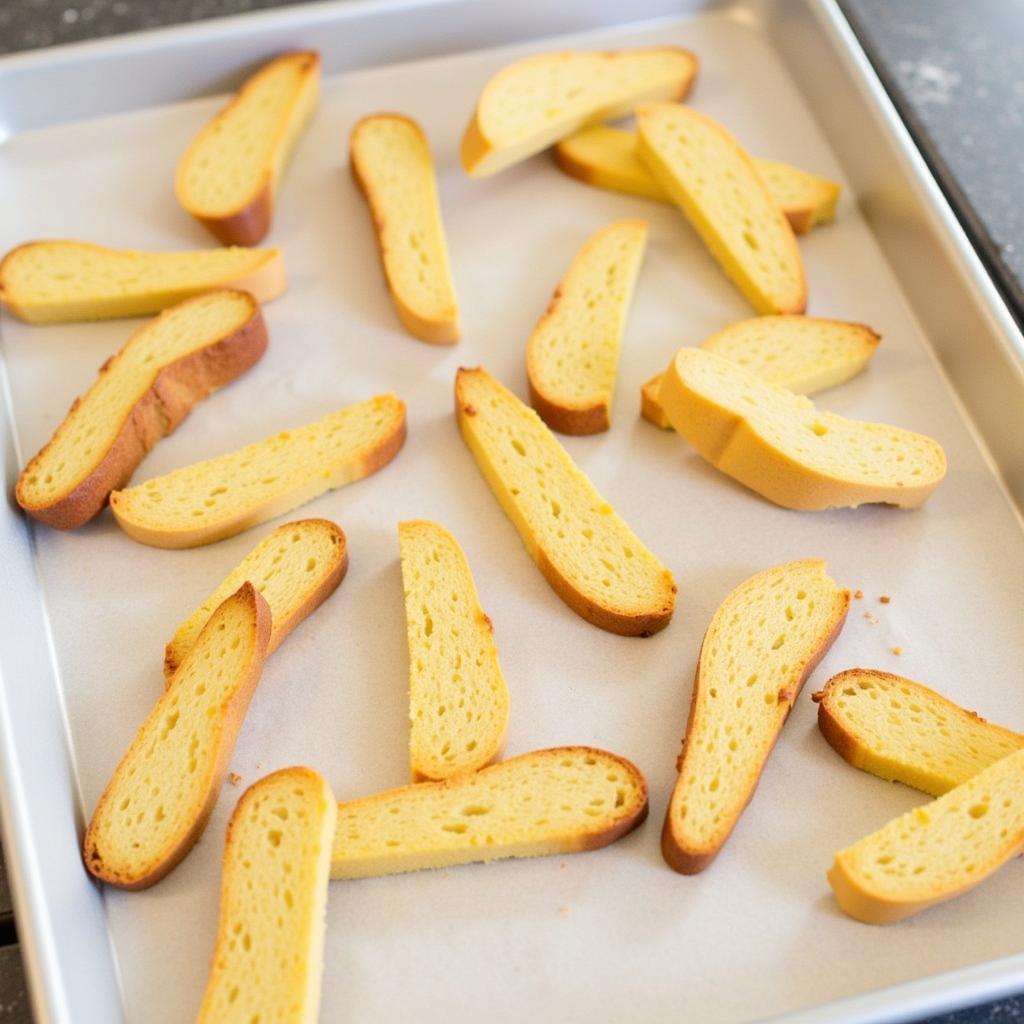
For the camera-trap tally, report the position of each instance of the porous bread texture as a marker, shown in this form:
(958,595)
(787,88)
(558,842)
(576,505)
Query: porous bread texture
(572,357)
(64,281)
(458,700)
(763,642)
(392,163)
(590,557)
(936,852)
(141,395)
(714,182)
(161,795)
(903,732)
(806,199)
(563,800)
(779,445)
(217,498)
(269,957)
(533,103)
(228,177)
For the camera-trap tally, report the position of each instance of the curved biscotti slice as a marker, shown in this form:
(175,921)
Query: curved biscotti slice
(228,178)
(592,559)
(563,800)
(64,281)
(763,642)
(936,852)
(903,732)
(458,700)
(211,500)
(156,806)
(572,357)
(533,103)
(714,182)
(269,957)
(393,165)
(777,443)
(806,199)
(296,568)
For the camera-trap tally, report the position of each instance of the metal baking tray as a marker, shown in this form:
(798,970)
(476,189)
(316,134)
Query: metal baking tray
(90,135)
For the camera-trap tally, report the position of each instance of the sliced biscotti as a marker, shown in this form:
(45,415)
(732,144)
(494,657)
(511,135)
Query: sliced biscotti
(217,498)
(269,957)
(157,803)
(936,852)
(779,445)
(572,357)
(228,177)
(714,182)
(65,281)
(590,557)
(533,103)
(806,199)
(763,642)
(563,800)
(393,165)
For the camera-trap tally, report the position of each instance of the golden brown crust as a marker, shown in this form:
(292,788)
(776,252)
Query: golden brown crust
(593,419)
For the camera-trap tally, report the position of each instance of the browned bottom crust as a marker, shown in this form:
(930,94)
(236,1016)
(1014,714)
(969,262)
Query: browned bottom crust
(593,419)
(249,226)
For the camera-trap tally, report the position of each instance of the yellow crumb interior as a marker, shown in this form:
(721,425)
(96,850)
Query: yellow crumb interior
(793,187)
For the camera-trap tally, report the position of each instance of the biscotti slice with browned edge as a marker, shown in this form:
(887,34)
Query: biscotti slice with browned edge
(572,357)
(763,642)
(159,799)
(590,557)
(806,199)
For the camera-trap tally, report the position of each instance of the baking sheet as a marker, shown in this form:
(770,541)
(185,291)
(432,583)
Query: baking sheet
(611,934)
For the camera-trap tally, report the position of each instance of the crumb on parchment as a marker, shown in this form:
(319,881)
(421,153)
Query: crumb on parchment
(234,778)
(885,599)
(896,650)
(871,618)
(858,594)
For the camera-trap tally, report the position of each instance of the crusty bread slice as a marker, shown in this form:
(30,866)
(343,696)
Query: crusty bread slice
(572,357)
(533,103)
(65,281)
(295,567)
(269,957)
(777,443)
(228,177)
(458,700)
(763,642)
(563,800)
(935,852)
(590,557)
(393,165)
(806,199)
(714,182)
(217,498)
(159,799)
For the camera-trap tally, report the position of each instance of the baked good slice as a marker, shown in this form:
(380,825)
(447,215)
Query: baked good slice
(393,165)
(763,642)
(159,799)
(590,557)
(533,103)
(572,357)
(228,177)
(269,957)
(806,199)
(777,443)
(217,498)
(458,700)
(563,800)
(65,281)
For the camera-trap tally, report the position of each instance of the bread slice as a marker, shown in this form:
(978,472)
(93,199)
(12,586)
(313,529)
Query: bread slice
(777,443)
(564,800)
(590,557)
(763,642)
(65,281)
(159,799)
(458,700)
(393,165)
(533,103)
(295,567)
(211,500)
(228,177)
(269,957)
(572,357)
(903,732)
(714,182)
(806,199)
(934,853)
